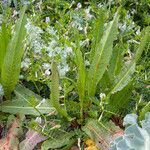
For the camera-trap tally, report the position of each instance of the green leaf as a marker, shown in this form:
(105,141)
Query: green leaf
(54,97)
(22,92)
(97,33)
(12,61)
(20,106)
(116,61)
(144,110)
(125,75)
(123,78)
(4,40)
(102,56)
(145,41)
(119,101)
(80,79)
(22,103)
(60,142)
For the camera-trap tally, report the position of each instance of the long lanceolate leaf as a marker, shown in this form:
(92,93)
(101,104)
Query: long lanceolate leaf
(81,79)
(125,75)
(145,41)
(123,78)
(4,40)
(115,62)
(102,56)
(12,61)
(98,33)
(54,97)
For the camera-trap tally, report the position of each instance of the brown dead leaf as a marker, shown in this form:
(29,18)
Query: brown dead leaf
(11,142)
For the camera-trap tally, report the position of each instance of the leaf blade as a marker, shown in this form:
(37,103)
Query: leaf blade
(12,61)
(102,56)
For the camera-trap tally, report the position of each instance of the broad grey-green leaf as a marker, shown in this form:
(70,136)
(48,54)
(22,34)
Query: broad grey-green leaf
(12,61)
(135,137)
(102,56)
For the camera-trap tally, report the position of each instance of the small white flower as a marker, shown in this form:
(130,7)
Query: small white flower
(53,43)
(123,28)
(38,120)
(47,19)
(84,43)
(133,11)
(57,50)
(100,5)
(87,63)
(51,30)
(79,5)
(87,13)
(63,69)
(15,13)
(60,88)
(1,90)
(1,19)
(41,102)
(25,64)
(102,95)
(21,76)
(36,74)
(47,72)
(138,32)
(68,49)
(80,28)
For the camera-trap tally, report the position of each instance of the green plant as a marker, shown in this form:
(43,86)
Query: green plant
(99,79)
(104,71)
(11,53)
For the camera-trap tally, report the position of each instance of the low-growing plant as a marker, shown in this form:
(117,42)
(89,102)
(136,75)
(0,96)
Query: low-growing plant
(106,70)
(91,93)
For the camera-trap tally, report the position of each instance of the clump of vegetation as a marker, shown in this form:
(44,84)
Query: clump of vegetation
(70,72)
